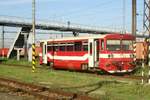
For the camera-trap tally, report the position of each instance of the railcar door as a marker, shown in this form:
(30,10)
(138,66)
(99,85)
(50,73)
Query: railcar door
(44,52)
(93,51)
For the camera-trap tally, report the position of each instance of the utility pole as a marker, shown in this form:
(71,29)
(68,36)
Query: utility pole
(3,42)
(33,36)
(3,37)
(134,17)
(124,16)
(25,46)
(146,27)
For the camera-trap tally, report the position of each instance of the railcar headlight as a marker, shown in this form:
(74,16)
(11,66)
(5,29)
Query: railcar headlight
(132,55)
(110,56)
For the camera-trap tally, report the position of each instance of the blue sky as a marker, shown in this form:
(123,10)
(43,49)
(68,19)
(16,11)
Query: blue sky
(107,13)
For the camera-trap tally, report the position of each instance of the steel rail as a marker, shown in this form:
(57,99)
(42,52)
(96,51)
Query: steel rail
(41,92)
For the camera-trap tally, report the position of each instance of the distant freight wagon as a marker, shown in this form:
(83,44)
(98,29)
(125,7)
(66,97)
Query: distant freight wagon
(141,50)
(4,52)
(112,53)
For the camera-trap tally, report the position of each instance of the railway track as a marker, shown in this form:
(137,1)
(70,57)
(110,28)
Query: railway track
(44,93)
(40,92)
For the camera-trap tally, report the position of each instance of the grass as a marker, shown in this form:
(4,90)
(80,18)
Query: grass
(107,88)
(14,61)
(20,62)
(139,70)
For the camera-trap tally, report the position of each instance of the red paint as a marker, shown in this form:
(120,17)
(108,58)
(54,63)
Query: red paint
(4,52)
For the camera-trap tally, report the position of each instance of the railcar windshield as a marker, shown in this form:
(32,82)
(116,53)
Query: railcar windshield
(113,45)
(127,45)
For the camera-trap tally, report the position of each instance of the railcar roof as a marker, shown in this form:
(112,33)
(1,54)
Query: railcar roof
(85,37)
(76,38)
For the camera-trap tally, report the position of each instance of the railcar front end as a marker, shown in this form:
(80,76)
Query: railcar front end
(117,55)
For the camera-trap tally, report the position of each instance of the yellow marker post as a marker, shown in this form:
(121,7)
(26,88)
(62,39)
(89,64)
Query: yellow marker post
(33,57)
(33,36)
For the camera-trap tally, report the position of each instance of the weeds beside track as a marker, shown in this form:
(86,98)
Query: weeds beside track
(41,92)
(95,74)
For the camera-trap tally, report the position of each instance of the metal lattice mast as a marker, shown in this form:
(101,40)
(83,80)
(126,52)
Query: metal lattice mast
(146,27)
(146,20)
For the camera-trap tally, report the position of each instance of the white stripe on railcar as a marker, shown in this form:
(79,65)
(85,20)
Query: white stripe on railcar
(120,71)
(115,55)
(85,57)
(79,58)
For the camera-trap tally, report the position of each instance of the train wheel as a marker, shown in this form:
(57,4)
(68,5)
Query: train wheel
(84,67)
(51,64)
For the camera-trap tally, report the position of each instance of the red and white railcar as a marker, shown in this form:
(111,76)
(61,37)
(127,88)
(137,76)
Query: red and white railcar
(112,53)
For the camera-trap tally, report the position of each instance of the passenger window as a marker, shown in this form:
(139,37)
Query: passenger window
(85,46)
(78,46)
(55,48)
(90,48)
(49,48)
(102,44)
(62,48)
(45,49)
(69,46)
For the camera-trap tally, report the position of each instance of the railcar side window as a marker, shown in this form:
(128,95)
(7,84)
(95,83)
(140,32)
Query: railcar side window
(49,48)
(78,46)
(102,44)
(45,49)
(56,47)
(62,48)
(69,46)
(113,45)
(85,46)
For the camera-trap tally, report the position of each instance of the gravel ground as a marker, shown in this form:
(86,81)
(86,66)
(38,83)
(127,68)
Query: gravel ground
(6,94)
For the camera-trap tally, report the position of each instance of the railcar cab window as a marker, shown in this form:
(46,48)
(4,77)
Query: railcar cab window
(113,45)
(78,46)
(127,44)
